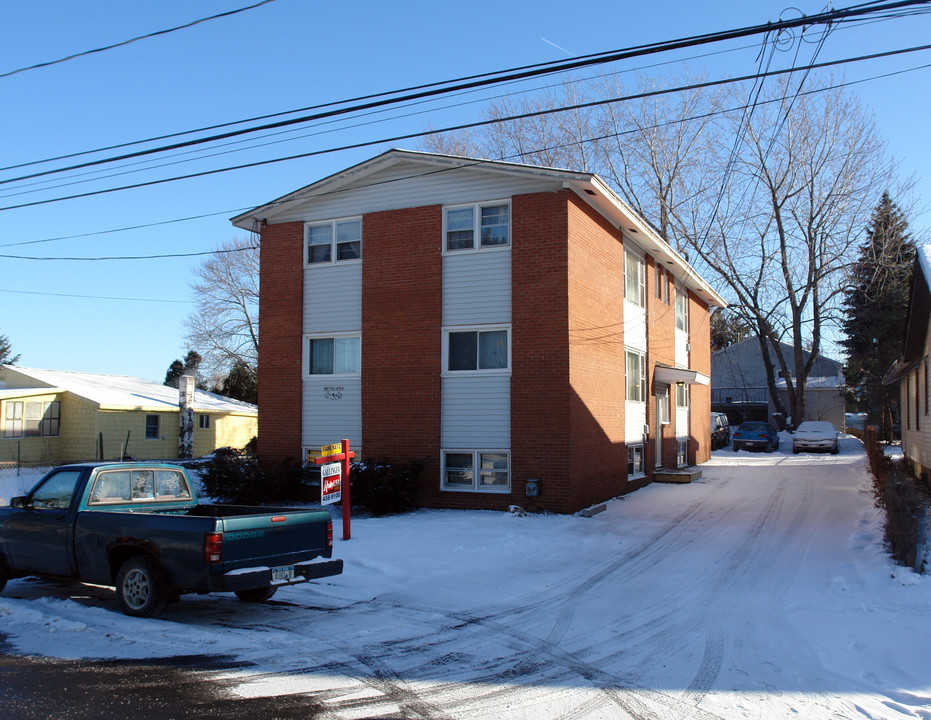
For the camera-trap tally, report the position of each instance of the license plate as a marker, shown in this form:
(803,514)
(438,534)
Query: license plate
(282,574)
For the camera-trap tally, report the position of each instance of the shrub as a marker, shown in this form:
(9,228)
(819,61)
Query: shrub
(385,488)
(235,476)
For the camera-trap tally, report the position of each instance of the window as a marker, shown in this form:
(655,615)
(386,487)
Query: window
(660,281)
(926,385)
(56,490)
(334,241)
(13,422)
(124,486)
(334,355)
(634,289)
(478,227)
(682,395)
(682,309)
(51,419)
(151,427)
(636,376)
(477,350)
(682,449)
(35,419)
(635,462)
(203,422)
(477,470)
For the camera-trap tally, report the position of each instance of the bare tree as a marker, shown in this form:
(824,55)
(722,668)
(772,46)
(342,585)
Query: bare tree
(225,326)
(766,191)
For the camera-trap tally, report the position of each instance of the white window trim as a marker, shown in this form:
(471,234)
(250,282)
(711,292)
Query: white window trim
(333,244)
(305,355)
(641,264)
(686,395)
(643,375)
(684,294)
(679,443)
(643,468)
(476,473)
(446,372)
(476,228)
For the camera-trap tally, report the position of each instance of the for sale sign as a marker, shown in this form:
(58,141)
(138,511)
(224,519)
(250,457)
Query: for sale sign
(330,483)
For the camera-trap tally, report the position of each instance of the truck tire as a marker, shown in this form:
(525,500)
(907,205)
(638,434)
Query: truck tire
(4,576)
(140,587)
(256,595)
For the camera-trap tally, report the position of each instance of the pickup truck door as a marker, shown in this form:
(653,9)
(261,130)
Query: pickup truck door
(38,538)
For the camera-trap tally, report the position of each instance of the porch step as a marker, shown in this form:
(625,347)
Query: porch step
(680,475)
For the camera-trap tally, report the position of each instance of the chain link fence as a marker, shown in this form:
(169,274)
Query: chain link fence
(18,479)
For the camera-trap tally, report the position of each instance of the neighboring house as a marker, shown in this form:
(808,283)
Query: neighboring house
(53,417)
(515,328)
(739,388)
(911,370)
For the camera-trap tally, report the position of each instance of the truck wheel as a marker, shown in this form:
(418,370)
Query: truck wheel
(256,595)
(140,587)
(4,576)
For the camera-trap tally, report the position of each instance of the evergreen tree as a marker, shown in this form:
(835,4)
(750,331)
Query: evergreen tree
(240,384)
(6,352)
(727,328)
(188,366)
(875,307)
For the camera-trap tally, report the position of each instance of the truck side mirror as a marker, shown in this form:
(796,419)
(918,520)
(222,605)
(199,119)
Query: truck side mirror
(18,502)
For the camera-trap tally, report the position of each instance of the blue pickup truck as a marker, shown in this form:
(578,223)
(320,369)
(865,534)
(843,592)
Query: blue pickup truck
(139,528)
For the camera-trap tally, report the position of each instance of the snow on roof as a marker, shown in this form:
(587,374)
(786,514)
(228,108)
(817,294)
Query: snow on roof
(924,258)
(122,392)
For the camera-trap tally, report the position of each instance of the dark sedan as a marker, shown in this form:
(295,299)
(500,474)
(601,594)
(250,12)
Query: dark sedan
(756,436)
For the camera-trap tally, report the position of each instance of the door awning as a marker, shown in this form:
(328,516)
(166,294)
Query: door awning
(674,376)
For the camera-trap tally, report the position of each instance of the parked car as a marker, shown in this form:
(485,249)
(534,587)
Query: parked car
(757,436)
(720,430)
(814,435)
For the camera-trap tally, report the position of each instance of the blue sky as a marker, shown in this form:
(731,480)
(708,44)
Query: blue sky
(284,55)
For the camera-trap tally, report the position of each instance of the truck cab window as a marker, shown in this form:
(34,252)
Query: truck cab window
(56,490)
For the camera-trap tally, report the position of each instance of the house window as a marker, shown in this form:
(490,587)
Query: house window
(682,309)
(13,423)
(477,350)
(477,470)
(634,289)
(682,395)
(151,427)
(635,462)
(917,402)
(636,376)
(663,405)
(203,422)
(660,281)
(51,419)
(334,241)
(334,355)
(682,450)
(478,227)
(926,385)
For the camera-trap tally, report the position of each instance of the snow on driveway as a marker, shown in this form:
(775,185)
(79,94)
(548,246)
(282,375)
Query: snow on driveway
(761,591)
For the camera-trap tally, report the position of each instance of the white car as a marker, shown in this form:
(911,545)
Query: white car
(815,435)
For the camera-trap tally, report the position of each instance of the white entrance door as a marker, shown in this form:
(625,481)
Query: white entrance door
(662,418)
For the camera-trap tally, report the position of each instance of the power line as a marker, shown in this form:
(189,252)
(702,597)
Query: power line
(129,257)
(133,40)
(474,163)
(467,126)
(521,73)
(95,297)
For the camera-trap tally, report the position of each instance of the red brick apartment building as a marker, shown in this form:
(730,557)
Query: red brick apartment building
(516,328)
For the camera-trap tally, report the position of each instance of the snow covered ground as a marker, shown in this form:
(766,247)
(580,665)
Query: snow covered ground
(761,591)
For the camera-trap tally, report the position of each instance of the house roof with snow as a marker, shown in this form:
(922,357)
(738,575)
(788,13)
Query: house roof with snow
(377,177)
(117,392)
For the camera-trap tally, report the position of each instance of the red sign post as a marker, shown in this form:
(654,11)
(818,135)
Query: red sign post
(342,457)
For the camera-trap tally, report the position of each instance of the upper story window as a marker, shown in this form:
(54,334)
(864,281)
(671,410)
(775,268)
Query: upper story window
(486,349)
(478,227)
(333,241)
(634,279)
(334,355)
(660,281)
(636,376)
(682,309)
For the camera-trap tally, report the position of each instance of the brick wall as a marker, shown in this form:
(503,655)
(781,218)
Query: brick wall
(700,360)
(280,342)
(596,444)
(540,390)
(402,340)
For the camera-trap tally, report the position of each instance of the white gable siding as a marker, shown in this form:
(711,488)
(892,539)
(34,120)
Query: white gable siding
(407,185)
(333,298)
